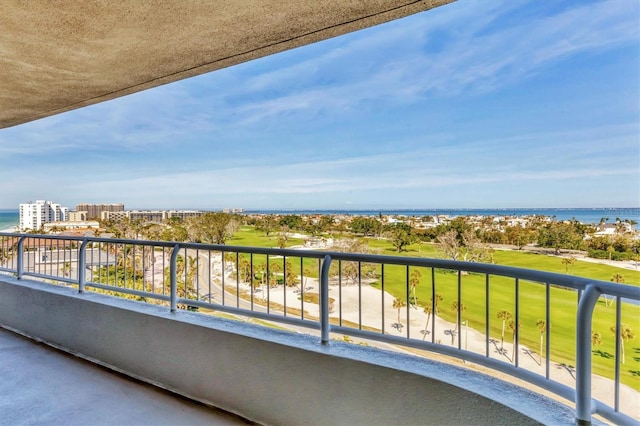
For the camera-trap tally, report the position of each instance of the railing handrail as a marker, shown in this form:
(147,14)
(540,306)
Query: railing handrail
(569,281)
(588,289)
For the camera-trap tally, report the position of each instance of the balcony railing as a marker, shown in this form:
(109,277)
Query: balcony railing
(366,296)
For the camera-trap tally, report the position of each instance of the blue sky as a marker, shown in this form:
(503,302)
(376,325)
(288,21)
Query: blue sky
(471,105)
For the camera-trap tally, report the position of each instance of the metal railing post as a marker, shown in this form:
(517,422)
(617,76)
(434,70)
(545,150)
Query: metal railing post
(20,266)
(173,267)
(586,305)
(82,265)
(325,326)
(589,290)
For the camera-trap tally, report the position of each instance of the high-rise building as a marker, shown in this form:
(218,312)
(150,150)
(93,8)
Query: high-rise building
(94,211)
(35,215)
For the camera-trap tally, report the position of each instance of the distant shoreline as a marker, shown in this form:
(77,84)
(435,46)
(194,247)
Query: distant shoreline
(388,209)
(587,215)
(583,215)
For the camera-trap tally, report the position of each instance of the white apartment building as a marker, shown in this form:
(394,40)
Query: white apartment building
(35,215)
(149,215)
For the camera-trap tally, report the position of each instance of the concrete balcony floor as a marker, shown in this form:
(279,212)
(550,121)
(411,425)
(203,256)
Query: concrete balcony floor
(41,385)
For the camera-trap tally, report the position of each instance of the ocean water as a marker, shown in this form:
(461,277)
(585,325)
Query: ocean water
(9,219)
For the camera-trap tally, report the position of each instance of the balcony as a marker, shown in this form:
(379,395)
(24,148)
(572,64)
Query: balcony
(41,385)
(282,336)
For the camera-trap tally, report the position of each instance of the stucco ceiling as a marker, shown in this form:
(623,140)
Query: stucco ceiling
(56,56)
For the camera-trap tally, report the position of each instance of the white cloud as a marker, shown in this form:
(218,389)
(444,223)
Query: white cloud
(473,58)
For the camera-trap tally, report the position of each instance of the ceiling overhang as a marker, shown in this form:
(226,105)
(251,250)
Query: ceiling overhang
(56,56)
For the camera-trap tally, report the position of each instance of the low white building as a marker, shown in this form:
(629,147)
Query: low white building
(35,215)
(76,224)
(157,216)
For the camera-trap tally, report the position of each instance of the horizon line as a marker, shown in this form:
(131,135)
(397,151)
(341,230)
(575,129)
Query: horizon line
(292,209)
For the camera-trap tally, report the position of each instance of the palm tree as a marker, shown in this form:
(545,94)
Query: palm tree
(568,262)
(307,272)
(185,278)
(274,268)
(398,304)
(439,299)
(542,327)
(596,339)
(192,272)
(620,226)
(626,333)
(282,240)
(262,268)
(413,283)
(456,308)
(504,316)
(244,270)
(144,259)
(616,278)
(428,311)
(610,250)
(66,268)
(290,279)
(513,326)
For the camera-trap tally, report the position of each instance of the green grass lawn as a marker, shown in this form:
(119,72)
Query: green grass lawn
(563,303)
(247,236)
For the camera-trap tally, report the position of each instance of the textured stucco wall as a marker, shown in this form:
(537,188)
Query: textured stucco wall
(269,376)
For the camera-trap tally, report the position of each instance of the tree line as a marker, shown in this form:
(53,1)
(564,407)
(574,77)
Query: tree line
(460,238)
(208,228)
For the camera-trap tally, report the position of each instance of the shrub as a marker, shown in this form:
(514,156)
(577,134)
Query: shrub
(615,255)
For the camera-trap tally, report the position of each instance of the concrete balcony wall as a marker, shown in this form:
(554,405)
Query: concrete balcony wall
(265,375)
